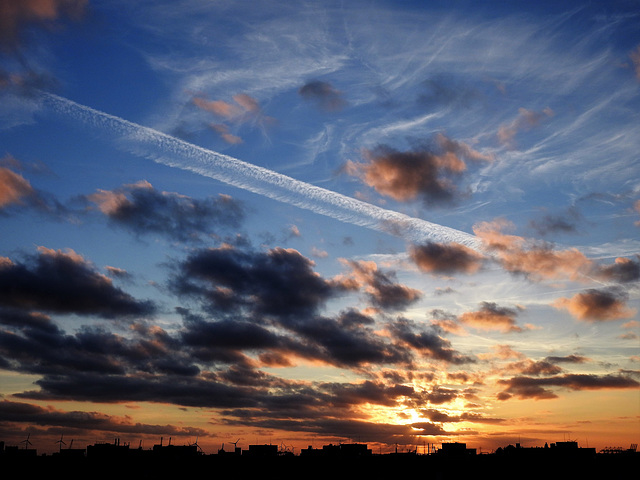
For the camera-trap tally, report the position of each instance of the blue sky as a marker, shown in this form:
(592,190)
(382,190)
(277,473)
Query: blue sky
(420,219)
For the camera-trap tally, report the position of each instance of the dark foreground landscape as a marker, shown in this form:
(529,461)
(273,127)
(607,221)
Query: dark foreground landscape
(512,462)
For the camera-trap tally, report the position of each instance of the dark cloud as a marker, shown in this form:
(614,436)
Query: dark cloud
(179,390)
(445,258)
(624,270)
(438,416)
(143,209)
(374,393)
(346,342)
(439,395)
(18,16)
(64,282)
(324,94)
(491,316)
(279,282)
(567,359)
(34,344)
(226,341)
(538,388)
(596,305)
(530,367)
(348,428)
(428,173)
(566,222)
(426,341)
(444,90)
(31,415)
(382,289)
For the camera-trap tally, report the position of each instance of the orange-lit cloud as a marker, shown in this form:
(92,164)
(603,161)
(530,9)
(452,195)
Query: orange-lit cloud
(226,135)
(16,14)
(244,110)
(623,270)
(501,352)
(492,317)
(526,120)
(97,422)
(13,187)
(218,107)
(538,261)
(428,174)
(447,322)
(141,208)
(597,305)
(381,288)
(445,258)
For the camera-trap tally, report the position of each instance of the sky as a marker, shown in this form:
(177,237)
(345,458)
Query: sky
(302,223)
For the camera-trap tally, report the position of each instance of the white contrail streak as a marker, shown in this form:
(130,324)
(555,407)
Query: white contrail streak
(174,152)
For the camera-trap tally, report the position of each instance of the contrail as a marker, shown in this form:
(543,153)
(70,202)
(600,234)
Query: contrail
(175,152)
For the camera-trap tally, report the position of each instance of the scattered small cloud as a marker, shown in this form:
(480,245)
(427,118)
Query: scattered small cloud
(141,208)
(226,135)
(492,317)
(526,120)
(534,259)
(381,288)
(16,16)
(245,110)
(14,188)
(445,258)
(564,222)
(323,94)
(596,305)
(501,352)
(428,173)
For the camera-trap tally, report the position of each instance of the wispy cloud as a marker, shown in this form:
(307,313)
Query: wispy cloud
(261,180)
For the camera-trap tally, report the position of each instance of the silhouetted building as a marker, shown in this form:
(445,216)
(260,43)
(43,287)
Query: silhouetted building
(175,451)
(262,451)
(71,453)
(108,450)
(456,449)
(558,450)
(342,450)
(14,451)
